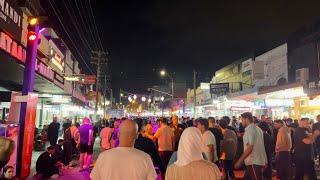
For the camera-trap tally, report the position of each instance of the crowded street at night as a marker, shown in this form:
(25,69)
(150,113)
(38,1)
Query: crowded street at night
(159,90)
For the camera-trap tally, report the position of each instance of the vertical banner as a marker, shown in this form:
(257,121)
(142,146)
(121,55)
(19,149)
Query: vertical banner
(28,137)
(14,111)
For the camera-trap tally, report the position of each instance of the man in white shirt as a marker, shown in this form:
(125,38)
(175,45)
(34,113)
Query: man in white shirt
(124,162)
(208,139)
(165,137)
(254,154)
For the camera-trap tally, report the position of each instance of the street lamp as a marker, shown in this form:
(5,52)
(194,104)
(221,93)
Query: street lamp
(162,98)
(164,73)
(149,100)
(121,94)
(143,99)
(134,97)
(129,99)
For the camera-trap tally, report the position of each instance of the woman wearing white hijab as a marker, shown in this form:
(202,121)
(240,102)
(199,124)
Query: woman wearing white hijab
(190,163)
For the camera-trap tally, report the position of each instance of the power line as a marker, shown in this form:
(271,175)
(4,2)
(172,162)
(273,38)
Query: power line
(64,28)
(86,22)
(75,23)
(95,25)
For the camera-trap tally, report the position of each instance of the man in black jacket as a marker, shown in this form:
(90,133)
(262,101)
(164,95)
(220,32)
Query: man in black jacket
(53,131)
(146,145)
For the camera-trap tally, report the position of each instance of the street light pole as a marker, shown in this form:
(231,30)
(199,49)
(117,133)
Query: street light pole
(164,73)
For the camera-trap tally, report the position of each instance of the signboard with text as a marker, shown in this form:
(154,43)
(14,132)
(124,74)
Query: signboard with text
(11,19)
(219,88)
(12,47)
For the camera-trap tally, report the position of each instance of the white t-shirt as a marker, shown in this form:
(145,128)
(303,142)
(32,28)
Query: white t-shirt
(165,137)
(209,139)
(254,136)
(123,163)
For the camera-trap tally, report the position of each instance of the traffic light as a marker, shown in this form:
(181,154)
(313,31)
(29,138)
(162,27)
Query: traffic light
(33,21)
(33,28)
(32,36)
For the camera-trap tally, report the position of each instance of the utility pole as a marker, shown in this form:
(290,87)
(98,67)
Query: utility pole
(194,93)
(99,58)
(104,96)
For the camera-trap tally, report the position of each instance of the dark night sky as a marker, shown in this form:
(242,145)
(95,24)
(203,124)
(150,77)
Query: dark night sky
(180,35)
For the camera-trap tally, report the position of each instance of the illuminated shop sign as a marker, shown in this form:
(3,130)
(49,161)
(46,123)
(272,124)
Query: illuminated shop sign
(11,46)
(287,93)
(57,60)
(260,103)
(11,19)
(279,102)
(240,109)
(44,70)
(219,88)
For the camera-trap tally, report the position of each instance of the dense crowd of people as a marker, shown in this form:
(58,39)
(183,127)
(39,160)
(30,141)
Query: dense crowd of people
(186,148)
(260,147)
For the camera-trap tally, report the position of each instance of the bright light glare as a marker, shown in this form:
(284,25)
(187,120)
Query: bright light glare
(143,99)
(71,78)
(33,21)
(32,37)
(107,102)
(135,97)
(129,99)
(162,98)
(162,72)
(149,100)
(121,94)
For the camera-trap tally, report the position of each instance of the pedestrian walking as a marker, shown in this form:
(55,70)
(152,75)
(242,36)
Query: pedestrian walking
(124,162)
(228,149)
(303,150)
(216,131)
(86,144)
(254,155)
(267,140)
(283,149)
(208,139)
(165,137)
(53,131)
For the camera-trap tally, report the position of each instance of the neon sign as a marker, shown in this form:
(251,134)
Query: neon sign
(44,70)
(10,46)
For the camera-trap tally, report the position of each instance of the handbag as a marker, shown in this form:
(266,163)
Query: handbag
(6,148)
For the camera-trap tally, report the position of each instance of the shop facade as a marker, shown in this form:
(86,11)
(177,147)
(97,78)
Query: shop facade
(57,97)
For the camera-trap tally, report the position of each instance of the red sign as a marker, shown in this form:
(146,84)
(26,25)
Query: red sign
(28,137)
(12,47)
(89,79)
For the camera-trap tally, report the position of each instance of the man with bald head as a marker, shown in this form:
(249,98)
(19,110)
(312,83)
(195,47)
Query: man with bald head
(124,162)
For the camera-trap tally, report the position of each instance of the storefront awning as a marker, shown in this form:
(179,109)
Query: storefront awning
(11,77)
